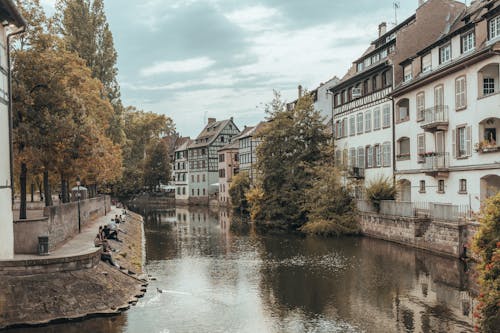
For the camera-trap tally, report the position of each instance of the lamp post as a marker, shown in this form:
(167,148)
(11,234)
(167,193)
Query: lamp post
(78,196)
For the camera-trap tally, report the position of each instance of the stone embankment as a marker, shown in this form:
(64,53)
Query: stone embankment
(74,286)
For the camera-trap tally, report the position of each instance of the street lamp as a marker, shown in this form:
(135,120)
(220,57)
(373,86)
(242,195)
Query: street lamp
(78,196)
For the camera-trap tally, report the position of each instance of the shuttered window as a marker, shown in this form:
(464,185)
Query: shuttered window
(426,63)
(376,119)
(421,148)
(361,157)
(460,93)
(420,106)
(386,154)
(438,96)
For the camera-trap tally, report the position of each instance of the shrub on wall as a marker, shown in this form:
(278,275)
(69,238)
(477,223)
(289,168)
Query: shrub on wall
(486,245)
(379,190)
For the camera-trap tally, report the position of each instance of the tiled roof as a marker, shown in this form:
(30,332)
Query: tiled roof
(209,133)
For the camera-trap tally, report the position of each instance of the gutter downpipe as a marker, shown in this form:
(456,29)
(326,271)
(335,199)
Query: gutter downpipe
(9,85)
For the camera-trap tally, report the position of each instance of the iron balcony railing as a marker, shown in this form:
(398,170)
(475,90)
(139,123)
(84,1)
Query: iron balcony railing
(435,116)
(436,162)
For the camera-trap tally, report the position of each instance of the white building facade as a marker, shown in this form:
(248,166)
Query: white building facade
(448,114)
(10,15)
(228,168)
(181,169)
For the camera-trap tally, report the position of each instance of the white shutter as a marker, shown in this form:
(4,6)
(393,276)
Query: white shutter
(468,141)
(454,143)
(420,147)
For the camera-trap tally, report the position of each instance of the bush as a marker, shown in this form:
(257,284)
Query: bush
(486,245)
(240,185)
(379,190)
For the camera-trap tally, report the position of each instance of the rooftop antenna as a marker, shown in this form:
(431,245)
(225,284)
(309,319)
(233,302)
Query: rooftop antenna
(396,5)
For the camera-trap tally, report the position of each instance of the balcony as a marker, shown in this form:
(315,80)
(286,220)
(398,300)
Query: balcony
(356,173)
(436,164)
(435,118)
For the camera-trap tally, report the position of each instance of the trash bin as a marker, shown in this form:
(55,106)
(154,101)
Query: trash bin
(43,245)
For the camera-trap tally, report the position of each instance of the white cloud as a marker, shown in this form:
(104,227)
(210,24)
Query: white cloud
(254,18)
(180,66)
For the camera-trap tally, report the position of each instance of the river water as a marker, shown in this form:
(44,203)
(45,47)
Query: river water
(210,276)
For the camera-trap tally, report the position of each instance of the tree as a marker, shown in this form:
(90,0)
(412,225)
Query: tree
(291,144)
(238,190)
(486,245)
(157,169)
(380,189)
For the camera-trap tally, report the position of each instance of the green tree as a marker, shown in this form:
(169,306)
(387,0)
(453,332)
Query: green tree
(291,143)
(380,189)
(486,245)
(240,185)
(157,169)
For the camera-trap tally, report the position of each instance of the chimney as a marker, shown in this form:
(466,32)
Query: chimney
(211,120)
(382,29)
(300,91)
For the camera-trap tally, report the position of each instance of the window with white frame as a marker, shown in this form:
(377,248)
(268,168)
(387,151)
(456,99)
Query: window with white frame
(386,154)
(360,123)
(367,62)
(460,93)
(426,63)
(421,148)
(386,116)
(445,54)
(438,96)
(494,28)
(462,189)
(407,73)
(352,125)
(339,99)
(488,86)
(377,155)
(468,42)
(368,121)
(462,138)
(376,119)
(420,99)
(361,157)
(360,67)
(440,186)
(369,157)
(403,149)
(422,186)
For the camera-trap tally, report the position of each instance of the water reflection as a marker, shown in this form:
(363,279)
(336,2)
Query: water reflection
(219,276)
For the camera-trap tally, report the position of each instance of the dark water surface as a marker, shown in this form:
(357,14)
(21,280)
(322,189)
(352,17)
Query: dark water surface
(215,278)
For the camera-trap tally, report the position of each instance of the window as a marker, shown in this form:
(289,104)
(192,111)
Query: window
(368,121)
(198,192)
(360,66)
(438,96)
(383,54)
(460,93)
(441,186)
(421,148)
(403,113)
(352,157)
(445,54)
(494,28)
(369,156)
(192,192)
(344,127)
(352,125)
(468,42)
(197,178)
(183,191)
(462,188)
(360,123)
(221,139)
(407,73)
(366,89)
(378,156)
(375,58)
(420,106)
(490,135)
(204,179)
(338,99)
(386,120)
(344,96)
(203,164)
(462,143)
(488,86)
(367,62)
(192,178)
(221,157)
(386,154)
(403,149)
(179,191)
(426,63)
(203,151)
(374,83)
(376,119)
(204,192)
(422,186)
(361,157)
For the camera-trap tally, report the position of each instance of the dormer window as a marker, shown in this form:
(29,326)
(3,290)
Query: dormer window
(445,54)
(375,58)
(468,42)
(360,67)
(494,27)
(426,63)
(408,73)
(383,54)
(367,62)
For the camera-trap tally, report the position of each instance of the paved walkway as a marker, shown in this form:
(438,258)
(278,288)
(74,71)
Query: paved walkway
(81,244)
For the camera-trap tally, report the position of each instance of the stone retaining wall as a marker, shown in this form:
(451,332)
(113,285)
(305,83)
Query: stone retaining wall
(446,238)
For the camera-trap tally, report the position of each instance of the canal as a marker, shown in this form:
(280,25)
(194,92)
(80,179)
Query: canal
(209,276)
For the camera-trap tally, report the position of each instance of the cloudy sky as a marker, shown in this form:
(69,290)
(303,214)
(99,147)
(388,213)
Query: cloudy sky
(192,59)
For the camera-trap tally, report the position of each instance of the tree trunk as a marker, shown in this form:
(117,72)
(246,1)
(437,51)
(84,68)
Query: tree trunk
(46,188)
(32,192)
(40,190)
(22,180)
(64,188)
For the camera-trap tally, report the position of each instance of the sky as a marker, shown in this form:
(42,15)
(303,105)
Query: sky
(194,59)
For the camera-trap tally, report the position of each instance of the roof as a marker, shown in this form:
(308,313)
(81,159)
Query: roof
(210,133)
(182,143)
(10,13)
(252,130)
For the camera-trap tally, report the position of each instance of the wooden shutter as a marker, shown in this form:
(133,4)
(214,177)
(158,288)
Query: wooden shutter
(454,143)
(468,141)
(420,147)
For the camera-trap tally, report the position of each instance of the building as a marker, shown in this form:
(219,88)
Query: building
(12,23)
(203,159)
(248,143)
(363,107)
(323,99)
(181,169)
(228,168)
(448,113)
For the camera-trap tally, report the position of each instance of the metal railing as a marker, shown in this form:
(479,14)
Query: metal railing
(449,212)
(436,162)
(355,172)
(435,115)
